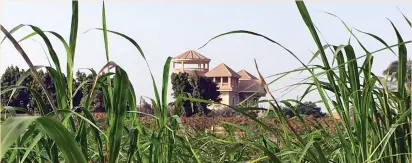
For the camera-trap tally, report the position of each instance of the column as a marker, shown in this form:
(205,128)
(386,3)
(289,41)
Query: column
(183,66)
(221,81)
(229,81)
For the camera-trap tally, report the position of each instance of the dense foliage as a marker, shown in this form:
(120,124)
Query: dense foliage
(23,98)
(194,86)
(9,78)
(306,108)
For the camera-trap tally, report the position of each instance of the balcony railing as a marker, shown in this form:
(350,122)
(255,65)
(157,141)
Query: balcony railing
(192,69)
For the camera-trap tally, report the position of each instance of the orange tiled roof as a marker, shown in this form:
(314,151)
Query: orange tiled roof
(249,83)
(191,55)
(245,75)
(222,71)
(252,85)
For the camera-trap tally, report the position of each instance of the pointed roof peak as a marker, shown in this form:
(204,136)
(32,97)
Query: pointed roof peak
(223,64)
(246,75)
(191,55)
(222,70)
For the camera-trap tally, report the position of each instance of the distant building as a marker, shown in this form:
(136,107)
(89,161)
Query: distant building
(234,87)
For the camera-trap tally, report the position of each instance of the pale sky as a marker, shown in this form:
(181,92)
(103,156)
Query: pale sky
(170,28)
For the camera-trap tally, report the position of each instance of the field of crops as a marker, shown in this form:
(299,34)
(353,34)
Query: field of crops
(378,131)
(216,124)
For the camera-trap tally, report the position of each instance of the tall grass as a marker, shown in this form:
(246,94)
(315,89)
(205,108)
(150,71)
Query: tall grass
(379,130)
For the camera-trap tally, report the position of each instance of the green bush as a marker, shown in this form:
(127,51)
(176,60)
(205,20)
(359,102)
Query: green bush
(194,86)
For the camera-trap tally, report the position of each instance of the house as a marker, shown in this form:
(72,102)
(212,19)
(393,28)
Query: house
(234,87)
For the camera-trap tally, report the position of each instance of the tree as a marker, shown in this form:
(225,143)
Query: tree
(392,72)
(145,108)
(195,86)
(310,108)
(79,97)
(34,85)
(288,112)
(21,97)
(47,80)
(306,108)
(204,88)
(180,84)
(24,98)
(97,104)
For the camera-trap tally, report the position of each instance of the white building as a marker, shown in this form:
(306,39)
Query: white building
(234,87)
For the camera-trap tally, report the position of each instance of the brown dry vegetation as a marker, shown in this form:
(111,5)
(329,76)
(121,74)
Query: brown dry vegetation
(215,124)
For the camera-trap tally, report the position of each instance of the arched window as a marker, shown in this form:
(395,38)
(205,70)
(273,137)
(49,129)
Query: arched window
(234,100)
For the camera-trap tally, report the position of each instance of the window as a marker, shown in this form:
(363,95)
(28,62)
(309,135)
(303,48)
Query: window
(217,80)
(234,100)
(225,80)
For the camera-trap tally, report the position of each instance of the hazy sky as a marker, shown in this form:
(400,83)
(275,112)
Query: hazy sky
(170,28)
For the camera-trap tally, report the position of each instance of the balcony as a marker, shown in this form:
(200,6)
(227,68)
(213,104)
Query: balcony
(192,69)
(226,87)
(198,71)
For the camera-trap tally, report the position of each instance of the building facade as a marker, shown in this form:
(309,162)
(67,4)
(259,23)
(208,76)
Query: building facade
(234,87)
